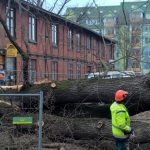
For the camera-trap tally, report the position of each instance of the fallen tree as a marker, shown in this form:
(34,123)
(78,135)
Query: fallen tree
(70,97)
(88,131)
(96,91)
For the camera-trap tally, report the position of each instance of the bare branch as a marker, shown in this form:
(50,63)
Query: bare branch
(54,5)
(63,5)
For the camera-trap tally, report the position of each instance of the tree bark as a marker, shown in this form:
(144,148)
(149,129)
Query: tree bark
(90,128)
(98,91)
(102,90)
(60,128)
(24,55)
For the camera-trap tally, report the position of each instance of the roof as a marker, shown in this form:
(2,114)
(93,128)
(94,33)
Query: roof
(63,19)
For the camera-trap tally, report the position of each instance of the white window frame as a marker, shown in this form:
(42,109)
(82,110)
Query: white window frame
(32,29)
(54,35)
(89,42)
(78,71)
(147,15)
(54,70)
(70,71)
(70,39)
(78,38)
(32,70)
(10,21)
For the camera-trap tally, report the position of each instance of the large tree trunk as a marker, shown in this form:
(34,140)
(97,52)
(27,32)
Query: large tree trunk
(102,90)
(90,128)
(24,55)
(66,129)
(97,91)
(84,131)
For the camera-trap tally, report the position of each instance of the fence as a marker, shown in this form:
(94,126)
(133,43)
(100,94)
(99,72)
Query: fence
(16,77)
(18,123)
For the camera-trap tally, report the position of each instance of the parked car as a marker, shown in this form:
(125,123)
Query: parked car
(94,74)
(128,74)
(113,75)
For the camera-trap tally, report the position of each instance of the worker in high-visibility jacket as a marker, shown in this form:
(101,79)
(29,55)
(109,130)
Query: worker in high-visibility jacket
(121,128)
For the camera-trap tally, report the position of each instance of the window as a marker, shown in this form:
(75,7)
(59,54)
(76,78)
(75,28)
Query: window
(10,21)
(91,22)
(136,17)
(10,64)
(54,35)
(136,52)
(147,15)
(89,69)
(32,70)
(136,64)
(103,52)
(70,71)
(146,28)
(78,39)
(147,65)
(32,29)
(89,42)
(2,62)
(81,13)
(78,71)
(88,12)
(54,70)
(136,41)
(136,29)
(147,40)
(109,22)
(97,48)
(109,31)
(111,53)
(70,39)
(11,69)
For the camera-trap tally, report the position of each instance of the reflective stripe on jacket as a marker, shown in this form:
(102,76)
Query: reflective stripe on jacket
(120,120)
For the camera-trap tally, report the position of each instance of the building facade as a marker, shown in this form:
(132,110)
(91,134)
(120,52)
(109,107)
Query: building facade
(58,48)
(127,23)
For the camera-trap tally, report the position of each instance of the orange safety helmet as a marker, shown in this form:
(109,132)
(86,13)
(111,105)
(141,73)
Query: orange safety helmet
(120,95)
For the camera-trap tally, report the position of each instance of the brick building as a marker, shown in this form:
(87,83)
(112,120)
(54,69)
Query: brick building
(58,48)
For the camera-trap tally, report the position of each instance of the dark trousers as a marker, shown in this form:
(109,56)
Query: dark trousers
(124,145)
(2,82)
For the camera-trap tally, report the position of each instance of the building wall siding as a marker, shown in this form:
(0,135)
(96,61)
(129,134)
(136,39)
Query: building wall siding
(43,51)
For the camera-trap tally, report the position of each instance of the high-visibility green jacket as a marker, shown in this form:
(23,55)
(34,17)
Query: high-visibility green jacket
(120,121)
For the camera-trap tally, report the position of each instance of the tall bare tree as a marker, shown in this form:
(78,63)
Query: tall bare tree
(24,52)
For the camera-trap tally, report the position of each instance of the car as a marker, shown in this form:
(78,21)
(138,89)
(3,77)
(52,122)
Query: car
(89,75)
(94,74)
(128,74)
(113,75)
